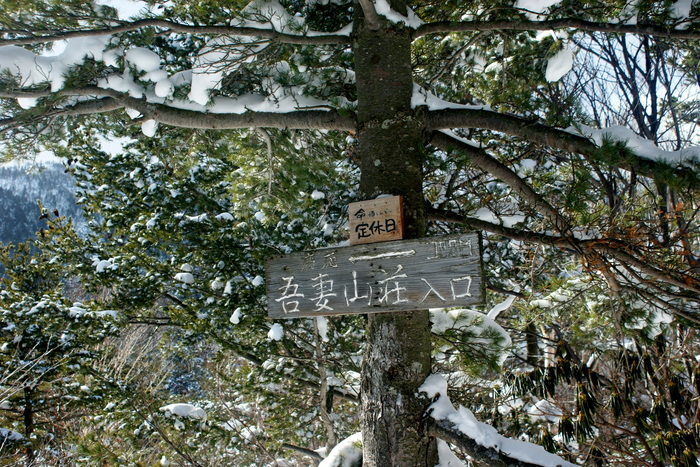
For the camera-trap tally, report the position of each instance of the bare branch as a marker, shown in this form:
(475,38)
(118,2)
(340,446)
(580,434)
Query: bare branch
(626,258)
(521,235)
(610,248)
(443,27)
(51,36)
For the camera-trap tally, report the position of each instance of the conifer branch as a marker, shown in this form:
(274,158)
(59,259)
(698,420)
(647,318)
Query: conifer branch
(536,132)
(445,27)
(41,37)
(108,101)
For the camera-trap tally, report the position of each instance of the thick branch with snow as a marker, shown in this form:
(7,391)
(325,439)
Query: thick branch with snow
(479,440)
(166,26)
(644,158)
(445,27)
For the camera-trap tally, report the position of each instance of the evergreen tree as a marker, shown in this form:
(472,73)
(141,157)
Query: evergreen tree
(49,345)
(465,110)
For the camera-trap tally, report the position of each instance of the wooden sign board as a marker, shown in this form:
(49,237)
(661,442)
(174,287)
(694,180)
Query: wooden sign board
(376,220)
(386,277)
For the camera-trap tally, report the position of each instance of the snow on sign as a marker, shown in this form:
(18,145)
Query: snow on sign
(406,275)
(376,220)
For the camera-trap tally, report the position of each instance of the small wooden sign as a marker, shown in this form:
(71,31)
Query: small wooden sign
(407,275)
(376,220)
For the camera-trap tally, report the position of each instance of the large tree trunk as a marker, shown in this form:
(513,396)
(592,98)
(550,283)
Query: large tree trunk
(391,147)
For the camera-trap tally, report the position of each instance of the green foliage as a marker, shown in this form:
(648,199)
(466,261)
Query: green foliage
(48,348)
(178,236)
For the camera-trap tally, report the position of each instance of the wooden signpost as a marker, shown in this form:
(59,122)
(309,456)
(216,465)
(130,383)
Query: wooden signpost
(376,220)
(405,275)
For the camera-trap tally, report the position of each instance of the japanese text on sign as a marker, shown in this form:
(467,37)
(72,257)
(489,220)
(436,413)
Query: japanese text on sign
(398,276)
(377,220)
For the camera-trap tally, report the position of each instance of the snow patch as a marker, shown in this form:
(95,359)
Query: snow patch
(322,326)
(681,9)
(276,332)
(184,277)
(224,216)
(546,411)
(560,64)
(446,457)
(486,215)
(236,316)
(143,59)
(149,127)
(101,265)
(10,435)
(503,306)
(384,9)
(347,453)
(257,281)
(184,410)
(536,6)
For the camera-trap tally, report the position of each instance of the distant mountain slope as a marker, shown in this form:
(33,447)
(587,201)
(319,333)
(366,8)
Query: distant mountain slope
(20,191)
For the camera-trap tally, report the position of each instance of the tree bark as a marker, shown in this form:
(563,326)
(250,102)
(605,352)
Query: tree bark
(28,418)
(390,148)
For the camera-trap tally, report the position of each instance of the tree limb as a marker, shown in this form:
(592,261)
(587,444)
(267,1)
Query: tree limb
(484,161)
(532,130)
(307,452)
(448,431)
(371,17)
(166,25)
(529,129)
(444,27)
(521,235)
(607,247)
(657,274)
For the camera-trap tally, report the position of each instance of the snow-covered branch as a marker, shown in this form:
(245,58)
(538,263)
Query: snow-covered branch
(638,159)
(450,432)
(444,27)
(529,129)
(479,440)
(166,26)
(295,120)
(162,113)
